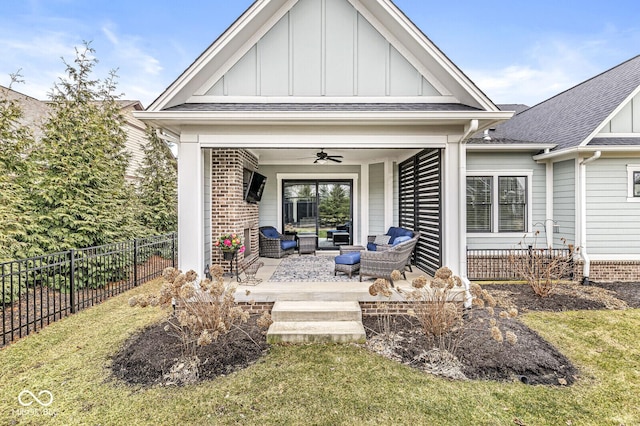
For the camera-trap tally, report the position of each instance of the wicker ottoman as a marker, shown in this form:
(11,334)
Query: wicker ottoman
(349,249)
(347,263)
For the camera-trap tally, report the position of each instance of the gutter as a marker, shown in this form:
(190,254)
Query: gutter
(462,209)
(583,215)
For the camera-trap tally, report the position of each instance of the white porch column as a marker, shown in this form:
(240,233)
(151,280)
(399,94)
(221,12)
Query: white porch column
(364,202)
(453,226)
(190,205)
(388,194)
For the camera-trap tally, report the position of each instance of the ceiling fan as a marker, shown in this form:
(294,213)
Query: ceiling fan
(322,157)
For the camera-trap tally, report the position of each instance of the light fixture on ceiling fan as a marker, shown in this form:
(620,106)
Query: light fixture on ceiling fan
(322,157)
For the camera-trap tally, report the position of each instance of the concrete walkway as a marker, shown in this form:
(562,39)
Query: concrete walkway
(270,291)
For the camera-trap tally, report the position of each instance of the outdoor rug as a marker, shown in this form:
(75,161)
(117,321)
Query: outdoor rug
(309,269)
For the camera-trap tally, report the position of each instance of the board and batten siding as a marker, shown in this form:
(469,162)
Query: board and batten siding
(323,48)
(613,223)
(376,199)
(564,201)
(625,121)
(495,162)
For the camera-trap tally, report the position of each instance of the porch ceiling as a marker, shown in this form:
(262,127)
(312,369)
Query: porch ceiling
(306,156)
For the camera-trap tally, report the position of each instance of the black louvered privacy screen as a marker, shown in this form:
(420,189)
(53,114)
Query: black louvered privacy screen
(420,198)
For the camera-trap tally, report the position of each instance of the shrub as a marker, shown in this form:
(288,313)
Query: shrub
(205,309)
(542,268)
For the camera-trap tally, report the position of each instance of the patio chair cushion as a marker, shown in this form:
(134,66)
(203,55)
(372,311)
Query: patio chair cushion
(350,258)
(395,232)
(401,239)
(287,244)
(271,233)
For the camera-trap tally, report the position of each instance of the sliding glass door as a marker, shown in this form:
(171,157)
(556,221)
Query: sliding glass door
(321,207)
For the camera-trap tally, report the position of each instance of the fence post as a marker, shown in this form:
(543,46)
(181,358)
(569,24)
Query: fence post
(135,262)
(72,279)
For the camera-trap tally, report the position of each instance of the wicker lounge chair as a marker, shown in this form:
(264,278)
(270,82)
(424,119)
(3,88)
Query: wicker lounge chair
(275,245)
(380,264)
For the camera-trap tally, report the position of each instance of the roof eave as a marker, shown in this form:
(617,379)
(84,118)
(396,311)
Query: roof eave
(510,147)
(175,119)
(577,150)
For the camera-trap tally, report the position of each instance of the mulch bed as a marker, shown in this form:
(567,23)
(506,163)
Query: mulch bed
(148,356)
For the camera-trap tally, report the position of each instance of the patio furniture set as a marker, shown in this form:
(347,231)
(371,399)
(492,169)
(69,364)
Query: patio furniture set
(382,255)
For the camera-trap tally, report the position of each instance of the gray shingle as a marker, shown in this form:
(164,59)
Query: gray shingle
(615,141)
(319,107)
(568,118)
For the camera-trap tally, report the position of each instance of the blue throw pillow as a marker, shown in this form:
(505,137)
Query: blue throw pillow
(401,239)
(371,247)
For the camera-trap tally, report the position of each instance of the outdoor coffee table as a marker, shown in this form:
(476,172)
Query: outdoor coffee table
(307,243)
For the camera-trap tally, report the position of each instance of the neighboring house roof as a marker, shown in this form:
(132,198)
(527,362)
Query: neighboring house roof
(517,108)
(36,112)
(574,116)
(338,107)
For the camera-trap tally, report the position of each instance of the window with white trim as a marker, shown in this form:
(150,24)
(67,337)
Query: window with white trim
(633,186)
(498,203)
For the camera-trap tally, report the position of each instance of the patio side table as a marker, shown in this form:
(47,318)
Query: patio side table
(307,243)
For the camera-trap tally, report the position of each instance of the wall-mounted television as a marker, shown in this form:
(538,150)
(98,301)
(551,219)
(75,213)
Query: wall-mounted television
(254,186)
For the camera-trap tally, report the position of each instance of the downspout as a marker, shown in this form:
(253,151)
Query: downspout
(462,209)
(583,215)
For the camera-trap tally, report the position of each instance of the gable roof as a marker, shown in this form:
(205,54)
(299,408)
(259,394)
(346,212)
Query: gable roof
(263,15)
(573,117)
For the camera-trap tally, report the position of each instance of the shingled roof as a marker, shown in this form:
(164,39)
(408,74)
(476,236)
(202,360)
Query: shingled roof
(570,118)
(314,107)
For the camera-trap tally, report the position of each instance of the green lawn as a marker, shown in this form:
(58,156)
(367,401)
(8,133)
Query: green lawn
(318,384)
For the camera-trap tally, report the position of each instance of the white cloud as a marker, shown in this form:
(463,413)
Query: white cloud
(553,64)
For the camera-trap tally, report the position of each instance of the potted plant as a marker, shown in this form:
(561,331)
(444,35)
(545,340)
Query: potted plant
(230,244)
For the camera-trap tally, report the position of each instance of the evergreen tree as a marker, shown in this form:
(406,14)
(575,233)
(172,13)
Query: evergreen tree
(15,140)
(79,191)
(335,205)
(157,188)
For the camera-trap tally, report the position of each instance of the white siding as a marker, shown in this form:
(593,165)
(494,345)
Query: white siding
(340,48)
(613,225)
(136,138)
(306,48)
(323,48)
(376,199)
(627,120)
(564,201)
(509,161)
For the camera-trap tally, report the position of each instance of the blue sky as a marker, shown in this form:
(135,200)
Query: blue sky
(515,51)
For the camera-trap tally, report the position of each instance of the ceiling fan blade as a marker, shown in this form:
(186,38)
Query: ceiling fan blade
(334,159)
(334,156)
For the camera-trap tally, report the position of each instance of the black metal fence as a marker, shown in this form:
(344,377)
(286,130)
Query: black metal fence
(40,290)
(495,264)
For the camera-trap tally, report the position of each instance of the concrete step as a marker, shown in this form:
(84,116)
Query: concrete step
(291,311)
(316,332)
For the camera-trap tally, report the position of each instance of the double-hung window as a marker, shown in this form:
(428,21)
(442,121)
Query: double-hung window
(498,203)
(633,192)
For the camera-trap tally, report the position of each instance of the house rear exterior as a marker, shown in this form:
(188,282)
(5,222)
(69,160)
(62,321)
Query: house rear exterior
(357,79)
